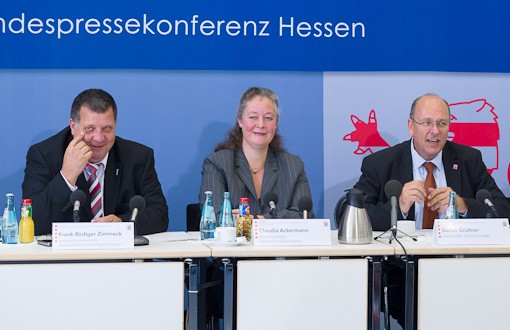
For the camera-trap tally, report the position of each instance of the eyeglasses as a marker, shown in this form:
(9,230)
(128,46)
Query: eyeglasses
(429,123)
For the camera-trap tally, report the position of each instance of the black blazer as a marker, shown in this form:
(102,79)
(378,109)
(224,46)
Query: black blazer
(284,174)
(469,176)
(130,171)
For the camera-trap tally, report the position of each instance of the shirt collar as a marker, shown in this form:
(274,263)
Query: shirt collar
(418,160)
(103,161)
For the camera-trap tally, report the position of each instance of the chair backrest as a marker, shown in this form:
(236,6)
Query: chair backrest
(193,214)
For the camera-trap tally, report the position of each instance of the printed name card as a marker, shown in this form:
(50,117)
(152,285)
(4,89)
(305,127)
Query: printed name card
(93,235)
(291,232)
(471,231)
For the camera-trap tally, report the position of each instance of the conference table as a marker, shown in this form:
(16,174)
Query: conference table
(44,288)
(455,286)
(298,287)
(144,287)
(303,287)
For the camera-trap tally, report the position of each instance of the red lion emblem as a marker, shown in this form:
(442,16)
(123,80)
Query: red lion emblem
(473,123)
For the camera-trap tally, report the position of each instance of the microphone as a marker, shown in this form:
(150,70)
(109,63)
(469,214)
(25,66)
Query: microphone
(77,199)
(393,189)
(305,205)
(483,196)
(137,204)
(271,198)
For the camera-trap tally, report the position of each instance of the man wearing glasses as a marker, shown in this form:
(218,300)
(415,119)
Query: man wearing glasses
(454,167)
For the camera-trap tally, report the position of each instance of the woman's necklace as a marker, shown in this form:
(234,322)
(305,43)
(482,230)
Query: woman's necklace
(254,170)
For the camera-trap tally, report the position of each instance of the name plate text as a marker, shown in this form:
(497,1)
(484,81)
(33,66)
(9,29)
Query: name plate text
(93,235)
(471,231)
(291,232)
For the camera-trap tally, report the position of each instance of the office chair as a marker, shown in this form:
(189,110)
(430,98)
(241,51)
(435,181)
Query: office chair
(193,214)
(339,209)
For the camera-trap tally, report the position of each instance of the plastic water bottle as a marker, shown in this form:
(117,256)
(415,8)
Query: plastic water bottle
(10,230)
(451,211)
(208,218)
(226,219)
(26,224)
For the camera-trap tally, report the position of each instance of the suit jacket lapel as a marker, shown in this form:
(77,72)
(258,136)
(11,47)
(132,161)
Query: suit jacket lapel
(407,170)
(452,169)
(244,173)
(270,173)
(112,179)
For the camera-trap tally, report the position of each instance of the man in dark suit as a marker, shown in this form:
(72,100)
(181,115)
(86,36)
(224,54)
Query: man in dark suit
(61,164)
(456,168)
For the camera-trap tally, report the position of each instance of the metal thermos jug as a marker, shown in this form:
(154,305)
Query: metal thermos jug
(354,225)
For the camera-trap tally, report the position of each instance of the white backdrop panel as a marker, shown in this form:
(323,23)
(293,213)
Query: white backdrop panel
(350,97)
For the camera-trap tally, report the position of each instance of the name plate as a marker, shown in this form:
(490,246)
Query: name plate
(93,235)
(291,232)
(471,231)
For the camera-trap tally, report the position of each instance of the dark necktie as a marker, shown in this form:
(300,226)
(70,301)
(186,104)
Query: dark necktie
(428,215)
(96,194)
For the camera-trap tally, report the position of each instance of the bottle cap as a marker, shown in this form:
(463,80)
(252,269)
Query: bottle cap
(26,201)
(244,200)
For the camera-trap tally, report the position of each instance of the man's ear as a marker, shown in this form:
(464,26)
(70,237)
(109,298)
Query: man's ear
(72,126)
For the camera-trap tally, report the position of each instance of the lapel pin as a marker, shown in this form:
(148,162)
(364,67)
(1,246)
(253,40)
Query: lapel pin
(455,166)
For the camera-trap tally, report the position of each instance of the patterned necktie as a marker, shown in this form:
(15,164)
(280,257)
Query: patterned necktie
(96,193)
(428,215)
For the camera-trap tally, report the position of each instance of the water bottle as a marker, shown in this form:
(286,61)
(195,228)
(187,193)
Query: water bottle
(208,218)
(10,232)
(451,211)
(2,224)
(226,219)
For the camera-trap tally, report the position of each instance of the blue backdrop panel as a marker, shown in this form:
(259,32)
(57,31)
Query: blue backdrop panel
(182,115)
(304,35)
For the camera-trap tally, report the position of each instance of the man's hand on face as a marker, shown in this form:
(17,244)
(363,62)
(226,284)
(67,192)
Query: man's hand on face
(76,156)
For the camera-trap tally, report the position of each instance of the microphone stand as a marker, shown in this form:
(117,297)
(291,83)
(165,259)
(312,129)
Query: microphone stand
(76,216)
(393,235)
(138,240)
(393,227)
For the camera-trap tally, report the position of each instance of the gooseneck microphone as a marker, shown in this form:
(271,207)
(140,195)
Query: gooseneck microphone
(137,204)
(393,189)
(271,198)
(77,199)
(483,196)
(305,205)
